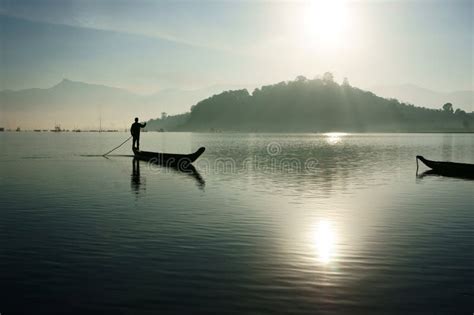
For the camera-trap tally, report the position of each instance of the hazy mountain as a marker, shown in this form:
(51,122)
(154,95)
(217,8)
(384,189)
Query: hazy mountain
(75,104)
(70,104)
(424,97)
(319,105)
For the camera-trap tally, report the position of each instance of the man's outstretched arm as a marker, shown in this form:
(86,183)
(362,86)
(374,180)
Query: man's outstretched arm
(143,125)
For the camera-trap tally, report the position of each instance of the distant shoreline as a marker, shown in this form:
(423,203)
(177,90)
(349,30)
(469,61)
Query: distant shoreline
(245,132)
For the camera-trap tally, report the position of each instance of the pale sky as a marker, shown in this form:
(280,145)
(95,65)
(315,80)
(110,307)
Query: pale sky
(145,46)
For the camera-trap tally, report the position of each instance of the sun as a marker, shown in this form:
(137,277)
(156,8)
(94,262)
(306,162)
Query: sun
(325,22)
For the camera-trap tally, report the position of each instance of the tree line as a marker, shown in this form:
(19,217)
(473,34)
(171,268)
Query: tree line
(313,105)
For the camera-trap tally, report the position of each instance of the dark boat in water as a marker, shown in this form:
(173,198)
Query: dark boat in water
(449,168)
(169,159)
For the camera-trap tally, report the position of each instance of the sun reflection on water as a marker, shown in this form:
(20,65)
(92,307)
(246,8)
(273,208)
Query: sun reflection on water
(324,238)
(334,137)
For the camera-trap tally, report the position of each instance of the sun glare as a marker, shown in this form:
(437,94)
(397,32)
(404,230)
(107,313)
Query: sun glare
(325,23)
(325,241)
(334,137)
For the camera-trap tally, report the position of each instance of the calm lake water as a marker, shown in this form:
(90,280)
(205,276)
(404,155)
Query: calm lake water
(269,223)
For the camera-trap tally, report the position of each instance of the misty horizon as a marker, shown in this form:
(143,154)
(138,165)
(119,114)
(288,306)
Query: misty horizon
(108,112)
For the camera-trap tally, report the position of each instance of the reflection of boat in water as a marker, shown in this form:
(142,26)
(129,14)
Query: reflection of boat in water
(191,171)
(136,178)
(169,159)
(452,169)
(433,173)
(137,183)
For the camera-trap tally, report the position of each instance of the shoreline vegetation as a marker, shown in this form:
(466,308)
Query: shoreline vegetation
(237,132)
(317,106)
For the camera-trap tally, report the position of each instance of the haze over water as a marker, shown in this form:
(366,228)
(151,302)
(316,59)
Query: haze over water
(295,223)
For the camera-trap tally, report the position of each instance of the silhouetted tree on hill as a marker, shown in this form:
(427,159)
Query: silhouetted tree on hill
(448,107)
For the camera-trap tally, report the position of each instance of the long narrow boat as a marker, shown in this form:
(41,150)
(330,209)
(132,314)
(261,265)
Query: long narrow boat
(448,168)
(169,159)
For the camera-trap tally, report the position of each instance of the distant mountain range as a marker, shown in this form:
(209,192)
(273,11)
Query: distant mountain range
(75,104)
(427,98)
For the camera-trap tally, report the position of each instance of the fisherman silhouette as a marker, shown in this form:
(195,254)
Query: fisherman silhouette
(135,131)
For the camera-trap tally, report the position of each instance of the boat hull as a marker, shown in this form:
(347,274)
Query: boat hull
(169,159)
(449,168)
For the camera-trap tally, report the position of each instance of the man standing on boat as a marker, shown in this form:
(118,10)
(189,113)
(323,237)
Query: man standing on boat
(135,131)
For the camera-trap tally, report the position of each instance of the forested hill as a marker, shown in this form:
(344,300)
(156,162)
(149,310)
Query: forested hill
(319,105)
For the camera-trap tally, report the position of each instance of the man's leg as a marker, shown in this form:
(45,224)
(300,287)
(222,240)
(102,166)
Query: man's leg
(138,143)
(133,143)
